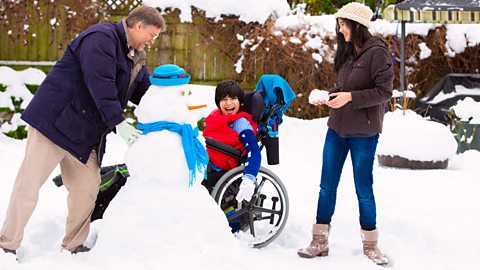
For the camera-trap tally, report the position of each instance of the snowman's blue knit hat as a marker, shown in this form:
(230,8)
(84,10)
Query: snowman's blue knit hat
(169,75)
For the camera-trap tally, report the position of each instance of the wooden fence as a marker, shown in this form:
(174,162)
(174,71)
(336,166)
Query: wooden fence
(39,35)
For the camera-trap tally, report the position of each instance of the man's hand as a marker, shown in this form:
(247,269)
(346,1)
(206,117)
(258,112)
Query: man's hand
(341,98)
(247,187)
(128,133)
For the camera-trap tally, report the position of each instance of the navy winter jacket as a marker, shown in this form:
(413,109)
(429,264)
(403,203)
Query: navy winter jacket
(82,99)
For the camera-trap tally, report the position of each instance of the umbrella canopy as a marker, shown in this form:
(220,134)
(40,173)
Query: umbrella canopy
(434,11)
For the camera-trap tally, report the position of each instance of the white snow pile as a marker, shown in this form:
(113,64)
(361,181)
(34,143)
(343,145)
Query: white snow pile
(459,90)
(15,82)
(247,10)
(468,110)
(415,138)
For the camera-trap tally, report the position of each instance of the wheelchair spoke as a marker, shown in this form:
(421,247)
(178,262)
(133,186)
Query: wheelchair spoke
(258,190)
(233,188)
(251,220)
(266,210)
(237,214)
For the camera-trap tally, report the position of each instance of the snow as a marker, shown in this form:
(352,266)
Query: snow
(419,227)
(247,10)
(468,110)
(425,52)
(426,218)
(15,82)
(17,79)
(412,137)
(318,95)
(408,94)
(460,90)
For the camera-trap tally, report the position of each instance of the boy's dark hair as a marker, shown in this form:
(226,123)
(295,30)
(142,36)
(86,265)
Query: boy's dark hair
(231,89)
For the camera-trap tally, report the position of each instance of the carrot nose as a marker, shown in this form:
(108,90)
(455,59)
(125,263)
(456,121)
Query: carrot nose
(194,107)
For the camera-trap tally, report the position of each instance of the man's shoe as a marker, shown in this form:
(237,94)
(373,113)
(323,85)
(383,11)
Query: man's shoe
(81,249)
(14,252)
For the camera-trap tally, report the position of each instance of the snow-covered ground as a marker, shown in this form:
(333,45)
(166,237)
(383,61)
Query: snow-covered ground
(428,219)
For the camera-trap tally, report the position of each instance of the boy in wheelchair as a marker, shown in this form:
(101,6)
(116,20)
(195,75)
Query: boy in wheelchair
(232,139)
(229,124)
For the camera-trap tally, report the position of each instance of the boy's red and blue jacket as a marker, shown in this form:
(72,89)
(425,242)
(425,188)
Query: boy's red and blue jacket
(218,127)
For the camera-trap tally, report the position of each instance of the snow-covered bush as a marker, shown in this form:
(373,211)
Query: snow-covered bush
(16,91)
(465,116)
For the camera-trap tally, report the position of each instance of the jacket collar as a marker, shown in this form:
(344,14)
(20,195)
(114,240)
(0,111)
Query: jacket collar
(133,54)
(373,41)
(122,34)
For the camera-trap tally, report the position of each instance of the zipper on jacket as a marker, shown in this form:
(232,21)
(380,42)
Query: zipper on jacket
(102,139)
(368,118)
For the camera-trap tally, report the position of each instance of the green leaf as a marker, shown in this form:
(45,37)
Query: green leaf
(19,133)
(32,88)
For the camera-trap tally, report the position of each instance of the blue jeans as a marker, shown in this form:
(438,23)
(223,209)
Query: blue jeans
(362,151)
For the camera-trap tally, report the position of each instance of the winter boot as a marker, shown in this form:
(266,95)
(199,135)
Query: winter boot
(81,249)
(10,253)
(370,248)
(319,244)
(14,252)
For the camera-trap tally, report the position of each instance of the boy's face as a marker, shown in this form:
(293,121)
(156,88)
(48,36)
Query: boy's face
(229,105)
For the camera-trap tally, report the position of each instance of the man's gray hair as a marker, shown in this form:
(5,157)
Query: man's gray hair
(146,15)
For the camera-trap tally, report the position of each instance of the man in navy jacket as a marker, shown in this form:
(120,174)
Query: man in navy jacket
(80,101)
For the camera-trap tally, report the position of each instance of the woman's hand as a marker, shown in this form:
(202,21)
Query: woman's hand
(341,98)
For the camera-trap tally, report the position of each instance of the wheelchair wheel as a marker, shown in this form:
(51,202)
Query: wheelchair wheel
(264,216)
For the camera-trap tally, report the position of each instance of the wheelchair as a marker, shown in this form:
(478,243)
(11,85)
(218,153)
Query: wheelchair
(262,219)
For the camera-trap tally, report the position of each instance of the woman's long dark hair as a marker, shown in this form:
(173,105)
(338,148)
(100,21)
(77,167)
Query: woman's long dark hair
(346,50)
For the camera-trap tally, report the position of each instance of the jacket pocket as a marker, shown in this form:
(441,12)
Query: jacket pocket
(78,122)
(367,116)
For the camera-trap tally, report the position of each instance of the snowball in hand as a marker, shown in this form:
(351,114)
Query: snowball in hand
(318,96)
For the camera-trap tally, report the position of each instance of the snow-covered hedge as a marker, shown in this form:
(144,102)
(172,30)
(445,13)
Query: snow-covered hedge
(465,124)
(16,90)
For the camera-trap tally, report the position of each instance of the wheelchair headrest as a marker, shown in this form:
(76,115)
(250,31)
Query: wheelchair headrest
(277,92)
(254,104)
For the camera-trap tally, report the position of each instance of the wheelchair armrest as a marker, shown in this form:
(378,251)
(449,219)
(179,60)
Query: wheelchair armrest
(223,148)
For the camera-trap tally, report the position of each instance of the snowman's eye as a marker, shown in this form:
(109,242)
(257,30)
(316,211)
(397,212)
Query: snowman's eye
(188,93)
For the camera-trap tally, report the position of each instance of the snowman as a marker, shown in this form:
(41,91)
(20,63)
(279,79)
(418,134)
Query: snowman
(162,211)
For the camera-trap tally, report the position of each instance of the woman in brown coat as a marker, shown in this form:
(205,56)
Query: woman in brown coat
(365,80)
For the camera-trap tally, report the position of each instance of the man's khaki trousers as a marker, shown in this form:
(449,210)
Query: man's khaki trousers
(81,181)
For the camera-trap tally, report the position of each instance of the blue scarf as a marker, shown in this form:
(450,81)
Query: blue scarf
(195,153)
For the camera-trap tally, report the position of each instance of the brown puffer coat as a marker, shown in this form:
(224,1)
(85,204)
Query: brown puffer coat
(369,77)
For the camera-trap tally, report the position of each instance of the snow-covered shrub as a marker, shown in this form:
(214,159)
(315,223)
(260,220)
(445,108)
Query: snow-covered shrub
(465,116)
(16,90)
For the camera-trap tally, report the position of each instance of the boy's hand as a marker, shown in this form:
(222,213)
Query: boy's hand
(247,187)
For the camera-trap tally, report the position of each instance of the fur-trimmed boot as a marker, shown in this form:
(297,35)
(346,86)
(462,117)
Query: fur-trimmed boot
(370,248)
(319,244)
